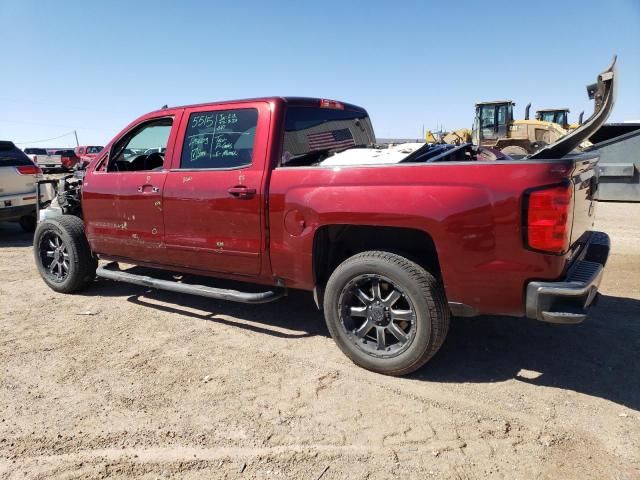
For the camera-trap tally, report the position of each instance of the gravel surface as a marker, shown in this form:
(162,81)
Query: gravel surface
(125,382)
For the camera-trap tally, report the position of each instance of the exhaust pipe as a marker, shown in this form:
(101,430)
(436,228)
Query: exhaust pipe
(526,111)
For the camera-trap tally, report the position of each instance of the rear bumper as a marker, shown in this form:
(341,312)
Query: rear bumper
(8,214)
(567,300)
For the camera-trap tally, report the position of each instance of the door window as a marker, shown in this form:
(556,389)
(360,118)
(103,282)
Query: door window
(487,117)
(143,148)
(221,139)
(502,115)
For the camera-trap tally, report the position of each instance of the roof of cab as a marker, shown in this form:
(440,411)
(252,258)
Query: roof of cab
(294,101)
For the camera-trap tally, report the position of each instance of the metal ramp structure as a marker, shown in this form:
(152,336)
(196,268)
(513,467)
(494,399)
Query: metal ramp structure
(618,145)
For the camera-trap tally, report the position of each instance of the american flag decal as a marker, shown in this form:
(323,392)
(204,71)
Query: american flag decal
(334,139)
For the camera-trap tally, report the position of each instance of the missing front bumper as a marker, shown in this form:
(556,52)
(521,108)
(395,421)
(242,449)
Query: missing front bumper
(567,301)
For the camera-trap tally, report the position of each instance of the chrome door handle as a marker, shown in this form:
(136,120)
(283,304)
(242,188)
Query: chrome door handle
(242,192)
(141,188)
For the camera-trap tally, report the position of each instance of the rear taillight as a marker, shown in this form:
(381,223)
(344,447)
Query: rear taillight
(548,218)
(28,170)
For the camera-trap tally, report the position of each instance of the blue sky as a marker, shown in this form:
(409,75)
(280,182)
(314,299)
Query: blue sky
(96,66)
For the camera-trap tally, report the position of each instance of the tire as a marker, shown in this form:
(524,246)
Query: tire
(420,315)
(62,240)
(28,223)
(515,150)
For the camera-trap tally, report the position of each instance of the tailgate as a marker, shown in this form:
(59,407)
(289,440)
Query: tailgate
(585,185)
(49,160)
(12,183)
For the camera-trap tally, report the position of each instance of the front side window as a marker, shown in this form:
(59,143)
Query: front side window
(219,139)
(143,148)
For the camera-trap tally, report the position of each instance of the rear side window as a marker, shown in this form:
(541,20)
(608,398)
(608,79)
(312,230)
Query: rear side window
(220,139)
(12,156)
(314,129)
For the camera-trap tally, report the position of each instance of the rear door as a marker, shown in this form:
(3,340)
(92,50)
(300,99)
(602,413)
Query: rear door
(213,199)
(122,197)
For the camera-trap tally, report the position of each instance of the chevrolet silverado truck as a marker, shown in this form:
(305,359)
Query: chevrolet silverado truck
(294,193)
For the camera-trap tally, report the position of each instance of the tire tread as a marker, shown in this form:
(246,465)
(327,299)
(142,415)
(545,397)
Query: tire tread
(432,291)
(83,260)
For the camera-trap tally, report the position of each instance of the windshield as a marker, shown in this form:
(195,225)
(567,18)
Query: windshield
(315,129)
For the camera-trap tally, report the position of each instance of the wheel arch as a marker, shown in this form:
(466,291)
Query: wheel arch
(334,243)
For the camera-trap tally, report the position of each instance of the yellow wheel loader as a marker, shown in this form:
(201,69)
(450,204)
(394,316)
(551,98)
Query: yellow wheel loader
(495,127)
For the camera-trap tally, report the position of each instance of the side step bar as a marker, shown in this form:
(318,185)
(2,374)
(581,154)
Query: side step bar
(112,272)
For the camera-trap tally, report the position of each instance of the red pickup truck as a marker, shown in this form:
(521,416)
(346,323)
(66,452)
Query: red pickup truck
(294,193)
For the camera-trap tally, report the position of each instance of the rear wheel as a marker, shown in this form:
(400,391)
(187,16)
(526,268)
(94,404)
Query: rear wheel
(63,255)
(385,312)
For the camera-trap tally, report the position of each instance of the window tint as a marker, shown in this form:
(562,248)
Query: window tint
(35,151)
(219,139)
(12,156)
(314,129)
(487,116)
(143,148)
(65,153)
(502,115)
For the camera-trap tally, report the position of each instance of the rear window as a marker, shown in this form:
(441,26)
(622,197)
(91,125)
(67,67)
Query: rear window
(65,153)
(35,151)
(309,129)
(12,156)
(93,149)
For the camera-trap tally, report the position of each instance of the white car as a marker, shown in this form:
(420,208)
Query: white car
(18,177)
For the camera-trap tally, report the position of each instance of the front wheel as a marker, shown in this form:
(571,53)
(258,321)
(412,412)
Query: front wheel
(63,255)
(385,312)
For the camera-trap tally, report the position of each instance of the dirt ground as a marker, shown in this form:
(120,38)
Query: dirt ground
(124,382)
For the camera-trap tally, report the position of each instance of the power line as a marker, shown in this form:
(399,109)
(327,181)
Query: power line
(46,139)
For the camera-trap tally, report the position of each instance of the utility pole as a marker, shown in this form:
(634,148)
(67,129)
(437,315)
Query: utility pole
(76,134)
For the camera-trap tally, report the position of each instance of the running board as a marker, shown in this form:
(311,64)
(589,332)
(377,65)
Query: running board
(112,272)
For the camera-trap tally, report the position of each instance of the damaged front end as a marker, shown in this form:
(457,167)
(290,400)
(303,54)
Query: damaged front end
(67,199)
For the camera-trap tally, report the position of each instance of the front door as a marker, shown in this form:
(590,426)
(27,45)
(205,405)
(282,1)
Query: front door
(122,196)
(213,197)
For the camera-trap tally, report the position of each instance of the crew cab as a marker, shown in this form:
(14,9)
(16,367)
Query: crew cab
(391,244)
